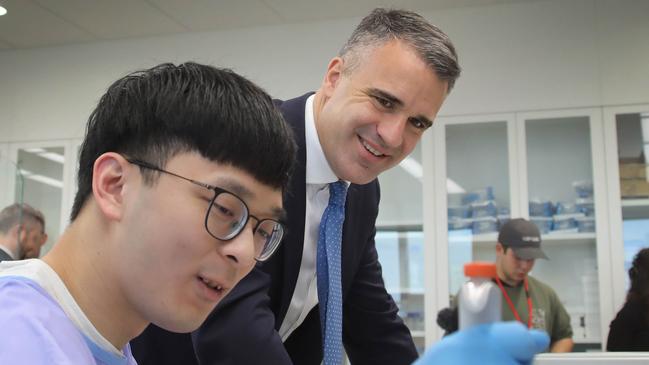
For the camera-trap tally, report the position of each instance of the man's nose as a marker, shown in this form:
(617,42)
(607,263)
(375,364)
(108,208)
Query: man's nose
(391,130)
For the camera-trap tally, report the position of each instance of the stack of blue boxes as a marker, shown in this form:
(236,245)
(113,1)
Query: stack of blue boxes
(566,217)
(476,210)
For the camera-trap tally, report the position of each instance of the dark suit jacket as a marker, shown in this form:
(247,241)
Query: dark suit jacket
(4,256)
(243,327)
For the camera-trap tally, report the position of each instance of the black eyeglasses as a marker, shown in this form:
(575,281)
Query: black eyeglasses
(227,215)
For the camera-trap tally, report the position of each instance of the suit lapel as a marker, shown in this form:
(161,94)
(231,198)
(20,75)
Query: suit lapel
(295,204)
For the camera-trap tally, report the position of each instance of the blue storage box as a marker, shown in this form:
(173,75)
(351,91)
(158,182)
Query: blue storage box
(502,219)
(459,223)
(484,209)
(485,225)
(461,211)
(586,206)
(540,208)
(565,222)
(543,223)
(586,224)
(584,188)
(566,208)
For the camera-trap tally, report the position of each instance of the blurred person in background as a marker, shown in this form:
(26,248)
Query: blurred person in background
(629,331)
(22,232)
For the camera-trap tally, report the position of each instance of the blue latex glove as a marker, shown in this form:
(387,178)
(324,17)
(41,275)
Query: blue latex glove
(501,343)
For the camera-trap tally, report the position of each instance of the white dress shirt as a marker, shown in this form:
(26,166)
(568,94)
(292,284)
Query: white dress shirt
(318,175)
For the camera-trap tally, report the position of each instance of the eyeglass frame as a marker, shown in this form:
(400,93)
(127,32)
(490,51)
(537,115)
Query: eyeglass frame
(217,191)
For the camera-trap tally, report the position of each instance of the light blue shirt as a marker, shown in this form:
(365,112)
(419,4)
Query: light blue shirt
(34,329)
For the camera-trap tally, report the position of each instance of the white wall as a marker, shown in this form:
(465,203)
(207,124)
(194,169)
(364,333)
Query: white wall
(527,56)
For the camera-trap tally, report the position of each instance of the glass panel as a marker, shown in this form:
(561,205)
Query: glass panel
(633,146)
(561,204)
(399,241)
(400,254)
(401,191)
(8,173)
(40,181)
(478,192)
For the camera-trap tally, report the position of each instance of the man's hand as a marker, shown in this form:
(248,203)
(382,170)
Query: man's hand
(496,343)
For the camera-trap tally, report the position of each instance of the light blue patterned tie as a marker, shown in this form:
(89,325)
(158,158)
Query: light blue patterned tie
(328,274)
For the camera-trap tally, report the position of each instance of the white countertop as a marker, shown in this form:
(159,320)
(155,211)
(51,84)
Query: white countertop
(598,358)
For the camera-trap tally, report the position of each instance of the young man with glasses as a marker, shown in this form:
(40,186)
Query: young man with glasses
(178,198)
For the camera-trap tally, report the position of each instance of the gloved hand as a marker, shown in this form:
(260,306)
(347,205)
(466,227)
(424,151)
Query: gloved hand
(501,343)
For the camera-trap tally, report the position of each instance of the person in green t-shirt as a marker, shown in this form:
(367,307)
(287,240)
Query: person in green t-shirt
(525,298)
(518,247)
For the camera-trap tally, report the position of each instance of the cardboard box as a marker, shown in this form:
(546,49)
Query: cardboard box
(633,171)
(634,188)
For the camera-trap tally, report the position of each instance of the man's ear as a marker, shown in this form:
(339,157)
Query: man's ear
(21,233)
(500,249)
(109,177)
(333,75)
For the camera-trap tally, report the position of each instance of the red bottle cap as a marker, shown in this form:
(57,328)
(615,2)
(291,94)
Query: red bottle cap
(480,269)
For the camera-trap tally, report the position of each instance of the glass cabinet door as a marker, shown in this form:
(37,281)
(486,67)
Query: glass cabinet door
(561,202)
(7,173)
(633,147)
(478,192)
(627,133)
(40,181)
(399,241)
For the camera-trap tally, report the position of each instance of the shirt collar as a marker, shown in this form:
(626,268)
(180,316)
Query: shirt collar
(318,170)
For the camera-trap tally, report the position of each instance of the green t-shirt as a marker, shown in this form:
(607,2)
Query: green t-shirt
(548,314)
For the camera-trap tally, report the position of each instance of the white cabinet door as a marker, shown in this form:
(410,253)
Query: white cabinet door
(517,164)
(44,180)
(474,181)
(561,158)
(399,241)
(627,146)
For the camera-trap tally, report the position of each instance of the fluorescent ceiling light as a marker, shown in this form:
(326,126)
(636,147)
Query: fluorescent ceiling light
(52,156)
(453,188)
(41,179)
(414,168)
(3,11)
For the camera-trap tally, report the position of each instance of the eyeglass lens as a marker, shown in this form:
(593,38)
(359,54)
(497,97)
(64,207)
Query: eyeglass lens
(228,215)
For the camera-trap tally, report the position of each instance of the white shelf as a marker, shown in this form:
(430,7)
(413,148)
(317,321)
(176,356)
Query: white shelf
(418,334)
(587,340)
(635,208)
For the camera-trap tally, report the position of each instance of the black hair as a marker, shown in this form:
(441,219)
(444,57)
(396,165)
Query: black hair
(154,114)
(639,275)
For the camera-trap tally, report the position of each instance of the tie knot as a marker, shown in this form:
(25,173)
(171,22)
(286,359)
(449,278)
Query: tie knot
(337,193)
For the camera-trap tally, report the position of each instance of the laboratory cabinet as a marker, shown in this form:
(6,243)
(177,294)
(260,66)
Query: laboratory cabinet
(548,167)
(627,144)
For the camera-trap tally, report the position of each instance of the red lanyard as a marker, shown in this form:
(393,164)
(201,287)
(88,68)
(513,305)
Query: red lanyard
(511,305)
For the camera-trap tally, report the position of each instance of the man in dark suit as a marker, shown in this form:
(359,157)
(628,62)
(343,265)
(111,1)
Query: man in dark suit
(22,232)
(377,98)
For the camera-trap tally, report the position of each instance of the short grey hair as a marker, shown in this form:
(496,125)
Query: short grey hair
(17,213)
(383,25)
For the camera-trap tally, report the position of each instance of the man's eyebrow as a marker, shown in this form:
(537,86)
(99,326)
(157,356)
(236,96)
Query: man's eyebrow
(384,95)
(234,186)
